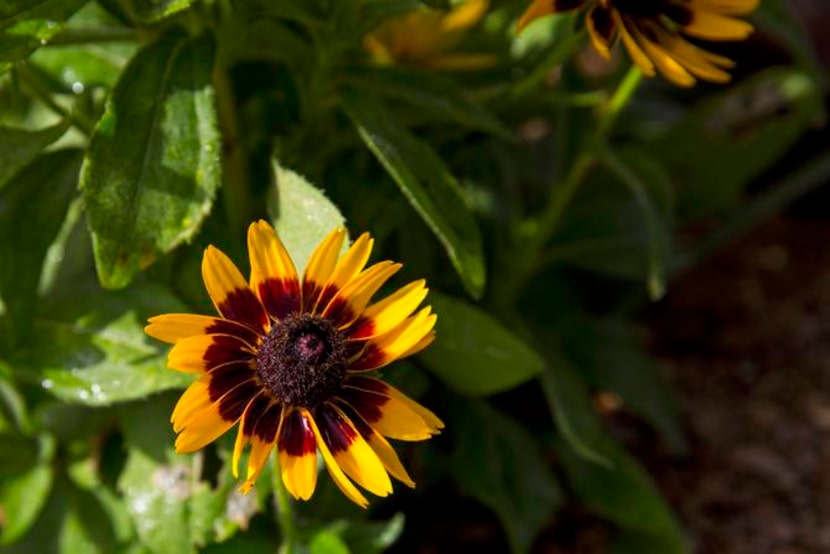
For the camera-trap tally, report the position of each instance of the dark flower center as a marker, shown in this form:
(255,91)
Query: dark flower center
(303,360)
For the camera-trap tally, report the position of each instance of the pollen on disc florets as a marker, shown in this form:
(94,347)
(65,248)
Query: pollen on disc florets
(302,360)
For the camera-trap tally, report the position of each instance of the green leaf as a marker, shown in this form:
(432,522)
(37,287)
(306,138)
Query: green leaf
(33,206)
(623,365)
(427,184)
(373,537)
(79,67)
(27,24)
(434,94)
(474,353)
(93,349)
(624,494)
(24,495)
(74,520)
(301,213)
(18,147)
(327,541)
(150,11)
(498,463)
(156,496)
(570,405)
(152,168)
(624,231)
(731,138)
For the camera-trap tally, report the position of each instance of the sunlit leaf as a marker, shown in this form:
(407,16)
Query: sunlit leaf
(427,184)
(474,353)
(93,350)
(152,167)
(302,214)
(27,24)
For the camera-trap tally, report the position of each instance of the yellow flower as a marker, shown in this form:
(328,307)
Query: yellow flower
(423,37)
(291,361)
(654,32)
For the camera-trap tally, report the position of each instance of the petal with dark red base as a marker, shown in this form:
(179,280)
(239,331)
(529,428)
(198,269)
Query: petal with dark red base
(229,291)
(273,275)
(297,450)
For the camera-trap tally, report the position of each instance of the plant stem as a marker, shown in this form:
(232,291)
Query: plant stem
(93,36)
(285,511)
(619,100)
(235,172)
(39,90)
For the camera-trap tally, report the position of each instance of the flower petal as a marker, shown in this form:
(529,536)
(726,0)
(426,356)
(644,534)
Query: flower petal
(273,275)
(603,26)
(351,452)
(350,302)
(297,450)
(349,266)
(380,445)
(388,410)
(203,352)
(262,432)
(337,475)
(714,26)
(320,267)
(397,343)
(230,292)
(172,327)
(202,424)
(541,8)
(384,315)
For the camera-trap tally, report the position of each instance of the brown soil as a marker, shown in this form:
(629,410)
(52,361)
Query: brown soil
(747,336)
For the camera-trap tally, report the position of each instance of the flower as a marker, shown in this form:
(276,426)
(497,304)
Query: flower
(422,37)
(654,32)
(291,361)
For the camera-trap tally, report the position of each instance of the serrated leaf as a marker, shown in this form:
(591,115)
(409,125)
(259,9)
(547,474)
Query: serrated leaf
(498,463)
(426,182)
(301,213)
(18,147)
(33,206)
(152,168)
(93,350)
(27,24)
(474,353)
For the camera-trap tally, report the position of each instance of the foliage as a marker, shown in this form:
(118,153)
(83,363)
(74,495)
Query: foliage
(541,195)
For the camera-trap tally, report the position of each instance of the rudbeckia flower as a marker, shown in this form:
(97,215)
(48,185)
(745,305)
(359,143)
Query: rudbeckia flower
(292,359)
(654,32)
(424,37)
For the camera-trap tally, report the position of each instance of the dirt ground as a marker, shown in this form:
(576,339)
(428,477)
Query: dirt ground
(747,336)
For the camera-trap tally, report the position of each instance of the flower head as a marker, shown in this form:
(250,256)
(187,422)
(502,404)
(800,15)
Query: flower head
(290,359)
(424,37)
(654,32)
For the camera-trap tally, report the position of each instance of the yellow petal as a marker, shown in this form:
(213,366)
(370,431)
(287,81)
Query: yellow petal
(713,26)
(337,475)
(229,291)
(297,450)
(273,276)
(351,452)
(203,352)
(384,315)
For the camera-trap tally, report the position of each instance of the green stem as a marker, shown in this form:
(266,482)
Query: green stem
(93,36)
(235,169)
(615,105)
(39,90)
(285,511)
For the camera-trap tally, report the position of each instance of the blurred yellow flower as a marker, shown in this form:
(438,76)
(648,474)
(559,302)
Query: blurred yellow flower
(654,32)
(425,37)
